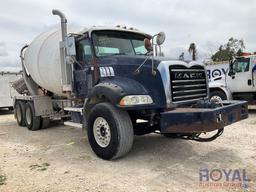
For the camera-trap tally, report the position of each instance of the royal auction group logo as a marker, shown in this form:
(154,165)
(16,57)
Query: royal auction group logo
(224,178)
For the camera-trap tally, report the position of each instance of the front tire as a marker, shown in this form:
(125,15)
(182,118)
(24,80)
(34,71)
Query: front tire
(217,96)
(110,131)
(32,121)
(171,135)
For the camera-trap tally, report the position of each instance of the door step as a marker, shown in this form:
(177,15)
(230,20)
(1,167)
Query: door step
(72,124)
(74,109)
(76,114)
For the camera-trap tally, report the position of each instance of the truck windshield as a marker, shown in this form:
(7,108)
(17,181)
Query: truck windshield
(118,43)
(241,65)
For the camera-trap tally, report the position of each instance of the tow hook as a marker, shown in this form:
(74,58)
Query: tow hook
(219,118)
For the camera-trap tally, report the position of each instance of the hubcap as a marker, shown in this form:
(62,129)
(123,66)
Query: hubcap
(101,132)
(216,99)
(28,116)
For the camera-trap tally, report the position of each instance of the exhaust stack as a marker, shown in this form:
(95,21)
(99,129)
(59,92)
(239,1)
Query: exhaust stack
(63,23)
(66,69)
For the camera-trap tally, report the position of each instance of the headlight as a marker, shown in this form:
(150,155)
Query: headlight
(136,100)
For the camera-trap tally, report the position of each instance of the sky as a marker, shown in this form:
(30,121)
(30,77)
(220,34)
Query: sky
(207,23)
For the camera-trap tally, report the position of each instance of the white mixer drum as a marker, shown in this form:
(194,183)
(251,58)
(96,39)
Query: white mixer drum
(42,60)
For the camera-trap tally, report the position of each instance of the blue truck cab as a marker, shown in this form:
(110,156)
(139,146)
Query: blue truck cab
(131,89)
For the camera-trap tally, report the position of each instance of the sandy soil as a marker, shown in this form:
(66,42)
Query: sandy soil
(59,159)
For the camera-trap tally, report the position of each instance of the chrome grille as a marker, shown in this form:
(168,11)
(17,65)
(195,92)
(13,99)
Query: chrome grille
(187,84)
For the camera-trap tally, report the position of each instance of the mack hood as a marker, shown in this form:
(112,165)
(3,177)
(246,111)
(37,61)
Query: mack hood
(174,81)
(130,60)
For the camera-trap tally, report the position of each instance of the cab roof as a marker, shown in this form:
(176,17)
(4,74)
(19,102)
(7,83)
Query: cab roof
(116,28)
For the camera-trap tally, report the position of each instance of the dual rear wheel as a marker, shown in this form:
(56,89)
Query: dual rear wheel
(109,129)
(25,116)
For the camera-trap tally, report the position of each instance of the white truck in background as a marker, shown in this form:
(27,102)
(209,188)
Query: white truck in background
(216,70)
(6,91)
(238,82)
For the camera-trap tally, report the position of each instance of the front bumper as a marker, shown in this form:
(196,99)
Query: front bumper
(198,120)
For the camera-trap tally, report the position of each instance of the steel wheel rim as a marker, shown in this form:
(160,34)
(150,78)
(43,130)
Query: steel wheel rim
(216,98)
(28,116)
(101,132)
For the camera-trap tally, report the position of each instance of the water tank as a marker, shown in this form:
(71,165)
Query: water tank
(42,60)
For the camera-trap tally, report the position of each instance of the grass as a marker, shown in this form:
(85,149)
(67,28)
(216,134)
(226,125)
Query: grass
(2,179)
(42,167)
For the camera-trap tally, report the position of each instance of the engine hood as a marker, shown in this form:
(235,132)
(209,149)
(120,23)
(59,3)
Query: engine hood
(124,68)
(130,60)
(156,84)
(139,59)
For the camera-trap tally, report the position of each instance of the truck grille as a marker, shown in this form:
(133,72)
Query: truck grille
(187,84)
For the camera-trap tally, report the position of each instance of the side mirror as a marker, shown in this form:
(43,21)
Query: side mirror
(231,72)
(148,45)
(160,38)
(71,46)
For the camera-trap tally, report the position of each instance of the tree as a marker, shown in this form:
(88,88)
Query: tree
(192,50)
(181,57)
(234,45)
(239,52)
(222,55)
(232,48)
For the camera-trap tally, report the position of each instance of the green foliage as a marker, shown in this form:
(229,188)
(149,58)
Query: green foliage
(222,55)
(239,52)
(233,47)
(42,167)
(192,50)
(2,179)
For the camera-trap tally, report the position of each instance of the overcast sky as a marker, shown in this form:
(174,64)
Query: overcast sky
(207,23)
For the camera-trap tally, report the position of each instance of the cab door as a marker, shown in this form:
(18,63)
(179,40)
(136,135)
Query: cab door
(239,78)
(82,68)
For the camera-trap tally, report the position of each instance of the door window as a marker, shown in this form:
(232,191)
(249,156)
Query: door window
(84,52)
(241,65)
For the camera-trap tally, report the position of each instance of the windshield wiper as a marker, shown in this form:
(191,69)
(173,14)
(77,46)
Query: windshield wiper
(118,54)
(107,55)
(139,53)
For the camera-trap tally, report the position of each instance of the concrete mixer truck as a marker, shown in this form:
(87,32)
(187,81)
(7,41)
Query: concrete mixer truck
(114,83)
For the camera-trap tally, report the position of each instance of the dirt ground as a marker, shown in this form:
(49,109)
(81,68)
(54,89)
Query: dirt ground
(59,159)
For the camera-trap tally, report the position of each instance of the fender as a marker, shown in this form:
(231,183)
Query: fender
(219,86)
(219,83)
(113,89)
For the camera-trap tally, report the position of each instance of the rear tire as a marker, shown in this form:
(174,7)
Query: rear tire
(32,122)
(19,113)
(110,131)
